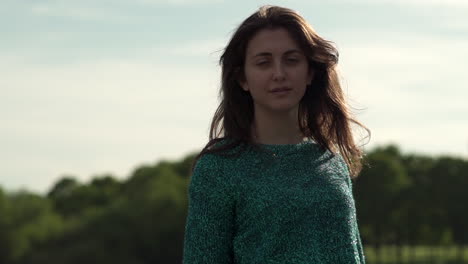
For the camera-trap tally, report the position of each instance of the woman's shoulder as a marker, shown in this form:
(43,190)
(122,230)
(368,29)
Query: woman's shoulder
(213,169)
(207,161)
(329,160)
(215,154)
(226,148)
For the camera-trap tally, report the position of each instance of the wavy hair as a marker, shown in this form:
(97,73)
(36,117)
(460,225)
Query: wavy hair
(323,114)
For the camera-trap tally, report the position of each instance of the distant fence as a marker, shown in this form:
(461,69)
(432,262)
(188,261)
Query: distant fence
(416,254)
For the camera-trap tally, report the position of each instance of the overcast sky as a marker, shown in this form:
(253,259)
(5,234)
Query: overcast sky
(98,86)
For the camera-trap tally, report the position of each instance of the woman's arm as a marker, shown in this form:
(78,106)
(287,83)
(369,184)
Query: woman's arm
(209,223)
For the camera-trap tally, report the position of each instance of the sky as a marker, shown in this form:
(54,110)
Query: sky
(96,87)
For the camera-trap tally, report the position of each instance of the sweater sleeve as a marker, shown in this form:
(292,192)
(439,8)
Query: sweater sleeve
(361,257)
(210,217)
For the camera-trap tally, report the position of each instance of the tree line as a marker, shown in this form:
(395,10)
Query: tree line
(401,199)
(410,200)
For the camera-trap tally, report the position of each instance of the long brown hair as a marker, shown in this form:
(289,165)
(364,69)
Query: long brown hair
(323,114)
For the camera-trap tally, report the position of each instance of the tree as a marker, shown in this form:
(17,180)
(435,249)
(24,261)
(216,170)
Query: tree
(450,177)
(32,222)
(378,194)
(6,235)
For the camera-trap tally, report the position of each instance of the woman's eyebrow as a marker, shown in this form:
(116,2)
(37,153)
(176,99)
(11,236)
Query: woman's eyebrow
(288,52)
(292,51)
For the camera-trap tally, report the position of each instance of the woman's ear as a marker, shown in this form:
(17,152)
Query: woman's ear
(244,85)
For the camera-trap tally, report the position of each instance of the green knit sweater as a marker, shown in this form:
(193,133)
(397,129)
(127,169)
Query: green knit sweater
(289,204)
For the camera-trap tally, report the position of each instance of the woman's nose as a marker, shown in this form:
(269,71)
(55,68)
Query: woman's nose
(278,71)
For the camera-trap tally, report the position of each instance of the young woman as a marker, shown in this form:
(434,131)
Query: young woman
(273,184)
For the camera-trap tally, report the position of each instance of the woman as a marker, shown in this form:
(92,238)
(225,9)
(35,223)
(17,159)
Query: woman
(273,183)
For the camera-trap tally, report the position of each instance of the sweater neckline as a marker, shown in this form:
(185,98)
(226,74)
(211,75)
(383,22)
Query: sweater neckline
(287,148)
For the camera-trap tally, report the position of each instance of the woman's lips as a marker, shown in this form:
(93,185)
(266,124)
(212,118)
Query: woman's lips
(280,91)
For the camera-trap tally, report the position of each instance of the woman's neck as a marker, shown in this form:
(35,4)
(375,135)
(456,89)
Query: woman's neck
(277,128)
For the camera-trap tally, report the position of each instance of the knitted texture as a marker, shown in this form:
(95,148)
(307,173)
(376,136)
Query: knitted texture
(289,204)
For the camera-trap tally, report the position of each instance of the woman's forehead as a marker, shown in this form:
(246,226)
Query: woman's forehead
(272,41)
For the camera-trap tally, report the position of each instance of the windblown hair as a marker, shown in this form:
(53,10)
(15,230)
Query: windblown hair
(323,114)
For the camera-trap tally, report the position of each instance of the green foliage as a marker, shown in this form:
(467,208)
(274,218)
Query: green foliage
(140,220)
(63,188)
(31,222)
(70,198)
(378,192)
(412,199)
(6,234)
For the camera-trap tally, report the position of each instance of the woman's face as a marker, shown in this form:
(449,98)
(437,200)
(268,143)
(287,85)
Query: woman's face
(276,71)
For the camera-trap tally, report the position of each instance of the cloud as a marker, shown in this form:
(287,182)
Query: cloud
(108,115)
(105,10)
(180,2)
(78,11)
(411,89)
(448,3)
(394,63)
(211,47)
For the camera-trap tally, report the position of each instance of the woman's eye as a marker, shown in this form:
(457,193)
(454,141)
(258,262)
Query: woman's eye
(292,60)
(260,63)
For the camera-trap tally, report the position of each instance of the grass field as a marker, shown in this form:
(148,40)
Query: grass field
(417,255)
